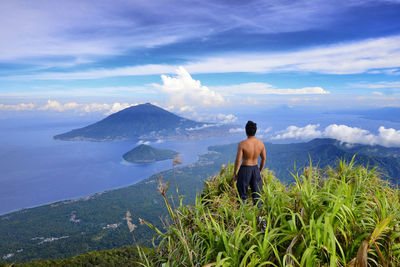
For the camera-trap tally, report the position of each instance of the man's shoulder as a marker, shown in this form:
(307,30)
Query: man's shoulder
(260,142)
(242,142)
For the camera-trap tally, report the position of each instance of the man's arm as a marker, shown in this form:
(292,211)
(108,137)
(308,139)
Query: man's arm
(263,158)
(238,159)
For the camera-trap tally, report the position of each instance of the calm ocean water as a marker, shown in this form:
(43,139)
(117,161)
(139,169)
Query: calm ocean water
(35,169)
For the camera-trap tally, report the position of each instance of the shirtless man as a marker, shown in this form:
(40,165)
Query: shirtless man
(249,173)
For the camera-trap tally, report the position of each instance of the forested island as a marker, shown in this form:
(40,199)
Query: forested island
(145,153)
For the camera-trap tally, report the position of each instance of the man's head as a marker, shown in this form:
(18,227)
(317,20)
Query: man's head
(251,128)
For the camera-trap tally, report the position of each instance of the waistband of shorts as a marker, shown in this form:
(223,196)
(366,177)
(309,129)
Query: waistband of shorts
(249,166)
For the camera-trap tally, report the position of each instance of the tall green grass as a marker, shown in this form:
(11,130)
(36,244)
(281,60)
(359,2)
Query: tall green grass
(343,216)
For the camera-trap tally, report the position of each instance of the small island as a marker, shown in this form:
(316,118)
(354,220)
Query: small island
(145,153)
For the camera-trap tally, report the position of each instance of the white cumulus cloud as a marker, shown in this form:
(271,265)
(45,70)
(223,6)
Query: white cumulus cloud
(307,132)
(226,118)
(349,134)
(184,91)
(118,106)
(236,130)
(141,142)
(211,117)
(386,136)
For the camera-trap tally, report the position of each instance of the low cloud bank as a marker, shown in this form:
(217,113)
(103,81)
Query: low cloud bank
(388,137)
(209,117)
(107,109)
(257,88)
(92,107)
(18,107)
(53,105)
(260,132)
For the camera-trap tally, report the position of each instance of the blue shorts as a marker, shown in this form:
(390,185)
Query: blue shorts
(249,175)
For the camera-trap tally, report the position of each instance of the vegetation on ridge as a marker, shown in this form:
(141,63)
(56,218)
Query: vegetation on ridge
(343,216)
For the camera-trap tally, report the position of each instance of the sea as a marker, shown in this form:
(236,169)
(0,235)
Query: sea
(35,169)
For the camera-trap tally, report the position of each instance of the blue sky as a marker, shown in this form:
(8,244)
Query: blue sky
(189,56)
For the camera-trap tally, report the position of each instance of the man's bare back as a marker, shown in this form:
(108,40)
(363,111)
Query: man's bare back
(249,150)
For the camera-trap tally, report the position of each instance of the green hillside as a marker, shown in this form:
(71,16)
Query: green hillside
(145,153)
(343,216)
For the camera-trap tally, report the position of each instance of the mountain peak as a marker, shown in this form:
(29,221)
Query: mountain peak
(143,106)
(143,121)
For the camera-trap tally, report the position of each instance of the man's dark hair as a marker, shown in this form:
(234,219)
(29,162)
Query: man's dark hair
(251,128)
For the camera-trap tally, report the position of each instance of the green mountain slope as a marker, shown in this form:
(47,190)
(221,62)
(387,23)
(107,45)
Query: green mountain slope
(146,153)
(286,158)
(68,228)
